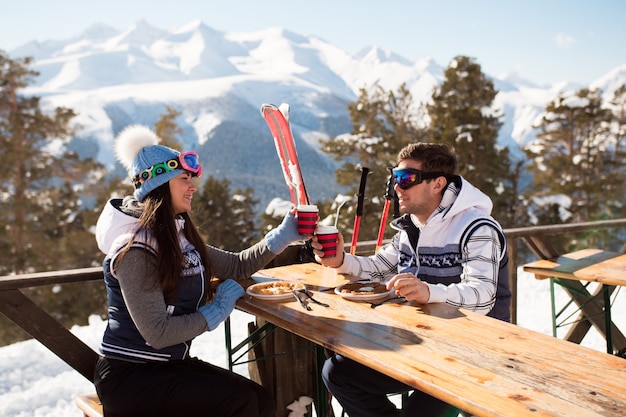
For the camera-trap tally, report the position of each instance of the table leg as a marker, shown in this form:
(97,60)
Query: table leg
(322,394)
(236,356)
(608,322)
(255,338)
(229,343)
(592,306)
(553,308)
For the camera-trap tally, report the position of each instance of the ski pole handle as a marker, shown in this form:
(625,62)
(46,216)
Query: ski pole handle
(359,208)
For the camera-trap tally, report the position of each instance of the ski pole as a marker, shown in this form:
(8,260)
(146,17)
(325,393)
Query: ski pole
(359,209)
(383,217)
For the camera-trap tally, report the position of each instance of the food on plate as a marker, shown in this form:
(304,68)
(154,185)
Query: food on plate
(364,288)
(275,287)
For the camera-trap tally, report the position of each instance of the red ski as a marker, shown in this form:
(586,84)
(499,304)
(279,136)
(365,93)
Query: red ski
(277,118)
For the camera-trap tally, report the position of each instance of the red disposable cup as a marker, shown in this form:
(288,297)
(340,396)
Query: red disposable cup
(328,237)
(308,215)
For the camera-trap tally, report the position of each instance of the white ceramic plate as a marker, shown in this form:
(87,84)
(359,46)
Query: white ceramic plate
(262,278)
(366,296)
(274,290)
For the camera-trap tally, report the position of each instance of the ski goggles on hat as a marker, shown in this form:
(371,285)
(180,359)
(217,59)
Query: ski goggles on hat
(188,161)
(408,177)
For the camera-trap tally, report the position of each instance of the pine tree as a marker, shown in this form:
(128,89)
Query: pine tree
(167,129)
(243,215)
(571,157)
(47,192)
(43,184)
(226,219)
(383,122)
(459,116)
(617,209)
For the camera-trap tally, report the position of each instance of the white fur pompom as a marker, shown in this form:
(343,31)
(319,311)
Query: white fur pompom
(131,140)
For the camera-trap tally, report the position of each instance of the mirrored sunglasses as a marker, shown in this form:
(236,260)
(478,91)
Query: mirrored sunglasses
(408,177)
(189,161)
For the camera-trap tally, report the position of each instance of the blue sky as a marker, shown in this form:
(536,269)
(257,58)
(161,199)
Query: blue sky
(544,41)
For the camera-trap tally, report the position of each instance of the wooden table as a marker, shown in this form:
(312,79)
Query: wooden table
(482,365)
(573,272)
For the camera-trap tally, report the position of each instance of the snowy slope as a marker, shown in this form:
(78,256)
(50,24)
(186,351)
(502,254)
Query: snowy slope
(218,80)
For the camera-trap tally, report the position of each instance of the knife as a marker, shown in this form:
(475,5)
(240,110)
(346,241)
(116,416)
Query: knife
(302,302)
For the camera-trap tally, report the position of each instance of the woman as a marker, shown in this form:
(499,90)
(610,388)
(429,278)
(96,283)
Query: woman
(157,271)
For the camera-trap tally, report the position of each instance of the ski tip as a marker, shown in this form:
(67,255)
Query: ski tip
(267,106)
(284,109)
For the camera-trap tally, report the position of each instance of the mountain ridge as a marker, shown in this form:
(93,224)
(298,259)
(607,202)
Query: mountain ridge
(218,81)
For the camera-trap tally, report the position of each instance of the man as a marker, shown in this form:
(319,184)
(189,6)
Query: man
(448,249)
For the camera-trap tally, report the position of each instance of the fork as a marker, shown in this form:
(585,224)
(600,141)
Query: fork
(310,296)
(302,302)
(374,305)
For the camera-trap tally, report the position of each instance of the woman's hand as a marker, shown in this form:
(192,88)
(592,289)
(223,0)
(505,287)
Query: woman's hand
(285,234)
(223,304)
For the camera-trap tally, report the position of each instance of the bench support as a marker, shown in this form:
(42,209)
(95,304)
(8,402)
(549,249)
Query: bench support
(90,405)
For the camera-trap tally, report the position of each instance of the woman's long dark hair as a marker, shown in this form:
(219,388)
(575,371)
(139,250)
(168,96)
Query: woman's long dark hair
(158,220)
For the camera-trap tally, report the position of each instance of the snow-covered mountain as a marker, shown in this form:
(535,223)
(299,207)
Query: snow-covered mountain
(218,80)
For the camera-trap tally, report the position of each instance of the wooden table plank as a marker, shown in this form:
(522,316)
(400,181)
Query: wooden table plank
(610,272)
(309,274)
(479,364)
(588,265)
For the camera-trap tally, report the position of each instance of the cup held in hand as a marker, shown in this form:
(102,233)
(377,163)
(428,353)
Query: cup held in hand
(328,236)
(308,215)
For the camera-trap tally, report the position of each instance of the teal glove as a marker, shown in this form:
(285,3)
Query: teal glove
(285,234)
(226,295)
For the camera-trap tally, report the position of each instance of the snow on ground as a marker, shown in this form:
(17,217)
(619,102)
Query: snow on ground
(36,383)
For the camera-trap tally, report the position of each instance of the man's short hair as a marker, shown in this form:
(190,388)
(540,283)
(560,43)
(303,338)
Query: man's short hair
(433,156)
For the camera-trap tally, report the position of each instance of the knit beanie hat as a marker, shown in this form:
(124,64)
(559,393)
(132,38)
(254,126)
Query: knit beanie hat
(149,164)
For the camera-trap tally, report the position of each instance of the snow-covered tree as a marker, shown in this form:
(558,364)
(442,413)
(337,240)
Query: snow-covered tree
(618,133)
(383,122)
(461,115)
(43,185)
(573,157)
(45,191)
(167,129)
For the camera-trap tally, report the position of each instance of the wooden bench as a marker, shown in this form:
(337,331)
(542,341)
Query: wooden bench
(90,405)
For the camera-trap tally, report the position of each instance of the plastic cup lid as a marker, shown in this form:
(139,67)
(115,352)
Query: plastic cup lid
(307,207)
(325,230)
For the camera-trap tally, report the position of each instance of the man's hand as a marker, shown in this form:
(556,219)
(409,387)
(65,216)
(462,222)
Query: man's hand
(335,261)
(410,287)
